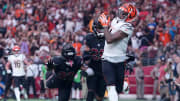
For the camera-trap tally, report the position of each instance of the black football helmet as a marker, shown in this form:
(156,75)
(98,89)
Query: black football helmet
(98,28)
(68,51)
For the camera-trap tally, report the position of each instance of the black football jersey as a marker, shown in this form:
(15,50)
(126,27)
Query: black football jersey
(96,50)
(2,71)
(66,69)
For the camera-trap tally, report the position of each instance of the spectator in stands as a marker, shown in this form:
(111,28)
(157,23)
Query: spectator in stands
(31,73)
(135,41)
(152,53)
(43,71)
(24,46)
(177,72)
(33,47)
(151,26)
(164,37)
(163,88)
(77,45)
(169,80)
(77,86)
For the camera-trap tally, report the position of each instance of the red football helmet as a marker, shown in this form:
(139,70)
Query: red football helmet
(16,49)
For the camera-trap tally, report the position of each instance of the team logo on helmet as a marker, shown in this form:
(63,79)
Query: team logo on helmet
(128,10)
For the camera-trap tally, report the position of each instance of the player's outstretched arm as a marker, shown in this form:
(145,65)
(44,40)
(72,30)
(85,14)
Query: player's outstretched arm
(110,38)
(26,62)
(7,67)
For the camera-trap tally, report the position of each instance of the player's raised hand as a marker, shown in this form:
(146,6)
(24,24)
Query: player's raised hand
(104,20)
(50,65)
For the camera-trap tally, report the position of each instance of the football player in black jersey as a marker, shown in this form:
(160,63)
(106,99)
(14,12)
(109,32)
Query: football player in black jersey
(92,59)
(64,67)
(8,82)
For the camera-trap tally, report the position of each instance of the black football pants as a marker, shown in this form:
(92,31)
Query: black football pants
(64,88)
(114,74)
(96,87)
(31,82)
(8,84)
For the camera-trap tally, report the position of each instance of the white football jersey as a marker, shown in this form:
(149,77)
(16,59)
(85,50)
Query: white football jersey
(17,64)
(116,52)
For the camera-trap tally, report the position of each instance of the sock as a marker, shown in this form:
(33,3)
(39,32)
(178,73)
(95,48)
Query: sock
(24,93)
(17,93)
(73,93)
(77,94)
(90,96)
(112,94)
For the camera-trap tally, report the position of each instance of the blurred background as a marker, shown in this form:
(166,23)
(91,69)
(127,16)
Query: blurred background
(41,27)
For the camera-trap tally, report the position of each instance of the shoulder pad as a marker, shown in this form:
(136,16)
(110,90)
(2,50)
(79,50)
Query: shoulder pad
(89,39)
(58,59)
(127,28)
(78,59)
(89,36)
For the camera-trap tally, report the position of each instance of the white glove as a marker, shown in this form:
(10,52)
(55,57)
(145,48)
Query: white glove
(8,71)
(90,72)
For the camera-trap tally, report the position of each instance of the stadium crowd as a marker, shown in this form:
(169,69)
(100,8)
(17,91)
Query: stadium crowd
(41,27)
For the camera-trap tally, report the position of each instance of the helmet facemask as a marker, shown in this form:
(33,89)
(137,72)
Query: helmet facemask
(99,33)
(68,52)
(122,14)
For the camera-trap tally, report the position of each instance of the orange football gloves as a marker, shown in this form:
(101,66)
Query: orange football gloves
(104,20)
